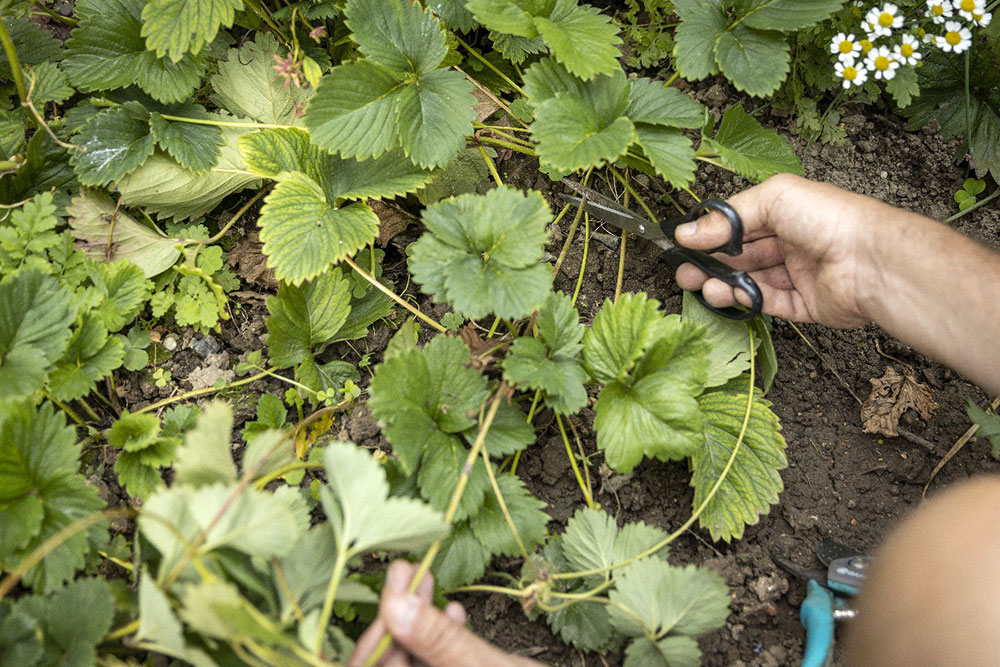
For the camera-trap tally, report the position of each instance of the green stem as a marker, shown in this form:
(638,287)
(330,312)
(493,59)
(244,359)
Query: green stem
(972,208)
(673,77)
(65,408)
(572,462)
(490,141)
(635,195)
(506,136)
(449,514)
(232,220)
(228,123)
(202,392)
(124,630)
(491,166)
(485,588)
(89,410)
(284,470)
(708,498)
(392,295)
(968,104)
(476,54)
(65,20)
(15,63)
(499,128)
(583,261)
(503,508)
(261,12)
(331,592)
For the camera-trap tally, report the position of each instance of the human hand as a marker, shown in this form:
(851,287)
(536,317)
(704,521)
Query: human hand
(807,244)
(422,634)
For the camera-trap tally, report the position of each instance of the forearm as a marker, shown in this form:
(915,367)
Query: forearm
(938,291)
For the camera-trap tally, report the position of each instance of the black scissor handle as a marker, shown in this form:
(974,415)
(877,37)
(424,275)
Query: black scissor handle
(718,269)
(732,247)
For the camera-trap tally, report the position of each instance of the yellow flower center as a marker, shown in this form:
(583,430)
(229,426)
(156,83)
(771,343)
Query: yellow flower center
(906,50)
(866,46)
(952,37)
(977,17)
(850,73)
(885,19)
(882,63)
(846,46)
(968,5)
(937,10)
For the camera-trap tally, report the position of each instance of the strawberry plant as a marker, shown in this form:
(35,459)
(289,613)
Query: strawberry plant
(160,133)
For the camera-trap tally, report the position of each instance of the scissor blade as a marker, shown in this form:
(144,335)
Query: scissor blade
(623,218)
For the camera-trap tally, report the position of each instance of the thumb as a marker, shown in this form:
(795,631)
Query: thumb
(436,640)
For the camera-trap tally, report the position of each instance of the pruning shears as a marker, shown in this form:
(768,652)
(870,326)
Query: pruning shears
(827,593)
(662,234)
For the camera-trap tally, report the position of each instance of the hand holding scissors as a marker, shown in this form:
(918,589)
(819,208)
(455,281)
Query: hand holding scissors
(662,234)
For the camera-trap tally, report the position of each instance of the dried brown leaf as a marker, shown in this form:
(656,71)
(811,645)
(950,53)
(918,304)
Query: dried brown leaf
(392,220)
(249,262)
(891,396)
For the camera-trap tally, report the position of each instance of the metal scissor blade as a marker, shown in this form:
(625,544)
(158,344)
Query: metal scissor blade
(621,217)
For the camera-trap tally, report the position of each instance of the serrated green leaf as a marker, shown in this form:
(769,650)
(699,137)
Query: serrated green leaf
(175,27)
(695,37)
(516,17)
(134,432)
(481,253)
(370,308)
(787,15)
(38,470)
(466,173)
(303,234)
(653,410)
(454,14)
(509,433)
(271,414)
(621,333)
(434,115)
(729,341)
(139,471)
(440,469)
(547,77)
(90,355)
(218,609)
(76,619)
(490,526)
(756,61)
(112,145)
(682,601)
(669,151)
(32,43)
(194,146)
(47,83)
(362,516)
(516,49)
(649,102)
(586,626)
(528,365)
(247,85)
(581,38)
(257,523)
(159,628)
(122,289)
(753,483)
(307,317)
(679,651)
(744,146)
(989,425)
(461,560)
(559,325)
(397,34)
(570,138)
(206,458)
(92,215)
(423,396)
(106,51)
(637,538)
(354,110)
(35,317)
(162,186)
(589,540)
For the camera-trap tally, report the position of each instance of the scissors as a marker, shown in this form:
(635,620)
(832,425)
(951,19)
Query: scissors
(662,234)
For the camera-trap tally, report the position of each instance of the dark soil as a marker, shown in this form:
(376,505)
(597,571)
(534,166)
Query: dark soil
(841,483)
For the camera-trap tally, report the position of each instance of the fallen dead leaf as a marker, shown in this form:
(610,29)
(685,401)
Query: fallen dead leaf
(484,106)
(250,263)
(891,396)
(479,347)
(392,220)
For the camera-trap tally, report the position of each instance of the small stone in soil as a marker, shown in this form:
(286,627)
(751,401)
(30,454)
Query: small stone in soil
(205,346)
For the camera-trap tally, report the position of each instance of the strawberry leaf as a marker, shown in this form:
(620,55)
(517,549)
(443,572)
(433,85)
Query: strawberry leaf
(398,35)
(112,145)
(490,526)
(753,483)
(755,61)
(461,560)
(787,15)
(39,480)
(669,151)
(362,516)
(434,116)
(744,146)
(106,51)
(175,27)
(621,333)
(194,146)
(481,253)
(305,318)
(425,396)
(303,234)
(91,355)
(649,102)
(581,38)
(122,291)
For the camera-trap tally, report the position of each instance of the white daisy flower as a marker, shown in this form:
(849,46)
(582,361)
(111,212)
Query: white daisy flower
(853,74)
(881,63)
(982,20)
(866,46)
(957,38)
(845,46)
(884,20)
(966,8)
(938,11)
(870,31)
(909,51)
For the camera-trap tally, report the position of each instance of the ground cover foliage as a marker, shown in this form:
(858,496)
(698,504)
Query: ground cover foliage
(129,123)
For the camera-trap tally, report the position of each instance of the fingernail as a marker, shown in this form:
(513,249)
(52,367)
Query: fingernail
(401,613)
(686,230)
